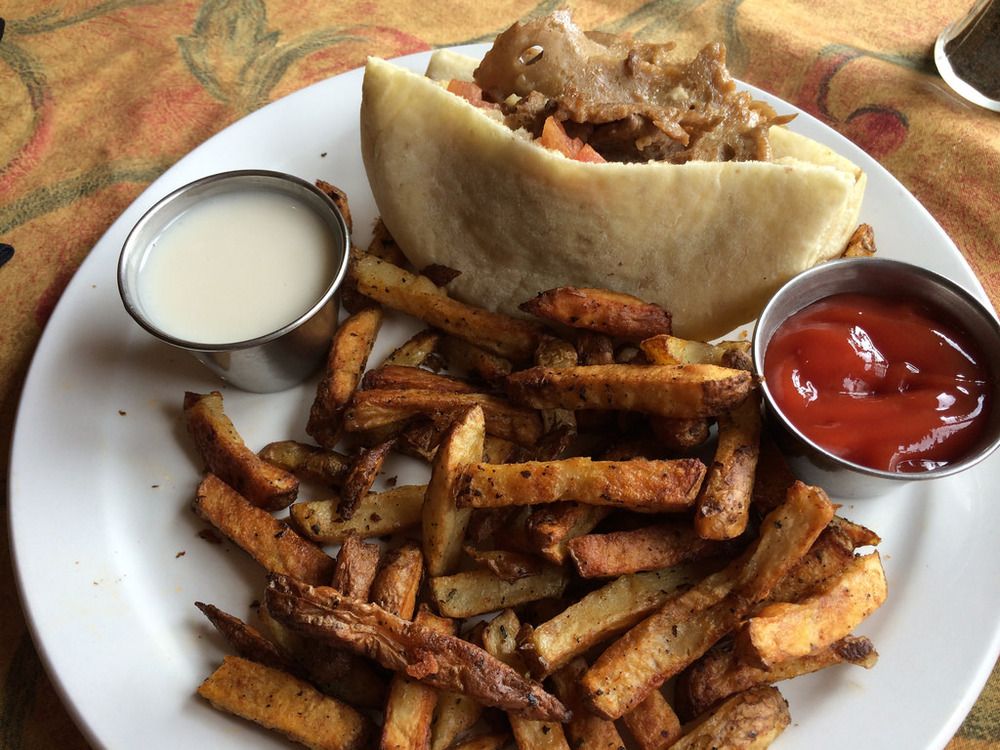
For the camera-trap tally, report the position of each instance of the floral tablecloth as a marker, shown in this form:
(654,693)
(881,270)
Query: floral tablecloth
(99,97)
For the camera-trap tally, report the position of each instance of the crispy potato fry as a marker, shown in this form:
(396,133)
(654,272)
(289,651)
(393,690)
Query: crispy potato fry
(308,461)
(584,731)
(475,592)
(862,243)
(384,246)
(602,615)
(454,715)
(397,582)
(653,723)
(858,534)
(494,741)
(594,348)
(378,514)
(551,527)
(245,640)
(497,450)
(505,564)
(826,559)
(612,313)
(441,661)
(686,626)
(396,288)
(647,548)
(721,673)
(499,641)
(785,631)
(670,350)
(751,720)
(443,522)
(410,708)
(639,485)
(339,198)
(380,407)
(440,274)
(468,358)
(680,434)
(346,361)
(279,701)
(399,377)
(686,391)
(361,476)
(227,456)
(723,507)
(416,350)
(266,539)
(773,477)
(357,563)
(555,353)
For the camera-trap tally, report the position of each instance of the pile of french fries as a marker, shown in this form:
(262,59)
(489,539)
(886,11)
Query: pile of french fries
(585,566)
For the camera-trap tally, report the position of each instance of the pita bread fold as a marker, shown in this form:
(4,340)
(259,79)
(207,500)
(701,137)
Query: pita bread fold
(708,241)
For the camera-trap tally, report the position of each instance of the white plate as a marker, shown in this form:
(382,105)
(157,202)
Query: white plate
(102,475)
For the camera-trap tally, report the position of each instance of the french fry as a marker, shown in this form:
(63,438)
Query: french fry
(455,713)
(362,475)
(594,348)
(399,377)
(357,563)
(475,592)
(378,514)
(493,741)
(653,723)
(829,555)
(584,731)
(443,522)
(601,615)
(666,642)
(266,539)
(410,708)
(308,461)
(680,434)
(397,582)
(670,350)
(750,720)
(384,246)
(601,310)
(468,358)
(550,528)
(396,288)
(723,507)
(346,361)
(783,631)
(286,704)
(721,673)
(441,661)
(507,565)
(499,640)
(339,198)
(416,350)
(377,408)
(227,456)
(245,640)
(639,485)
(555,353)
(862,243)
(647,548)
(686,391)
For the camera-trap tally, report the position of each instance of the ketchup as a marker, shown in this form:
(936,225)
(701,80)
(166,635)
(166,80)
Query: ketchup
(883,381)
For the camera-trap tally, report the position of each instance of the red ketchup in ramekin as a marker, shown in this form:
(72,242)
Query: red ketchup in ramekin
(886,382)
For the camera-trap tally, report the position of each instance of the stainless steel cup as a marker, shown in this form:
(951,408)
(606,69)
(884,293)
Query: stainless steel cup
(811,462)
(276,360)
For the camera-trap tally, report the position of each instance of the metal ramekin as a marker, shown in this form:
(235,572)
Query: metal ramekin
(276,360)
(811,462)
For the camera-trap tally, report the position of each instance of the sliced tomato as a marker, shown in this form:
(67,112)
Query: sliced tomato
(555,137)
(471,93)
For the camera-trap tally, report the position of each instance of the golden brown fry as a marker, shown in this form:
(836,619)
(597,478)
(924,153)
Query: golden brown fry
(475,592)
(468,358)
(648,548)
(556,353)
(227,456)
(773,477)
(550,528)
(497,450)
(441,661)
(665,643)
(440,274)
(601,310)
(269,541)
(245,640)
(680,434)
(443,522)
(339,198)
(376,408)
(378,514)
(505,564)
(686,391)
(397,582)
(416,350)
(594,348)
(858,534)
(361,476)
(785,631)
(602,615)
(653,723)
(723,507)
(410,708)
(721,673)
(346,361)
(862,243)
(454,714)
(396,288)
(499,640)
(384,246)
(495,741)
(638,485)
(670,350)
(399,377)
(584,731)
(751,720)
(286,704)
(826,559)
(308,461)
(357,563)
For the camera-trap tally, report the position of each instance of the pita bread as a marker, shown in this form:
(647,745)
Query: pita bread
(711,242)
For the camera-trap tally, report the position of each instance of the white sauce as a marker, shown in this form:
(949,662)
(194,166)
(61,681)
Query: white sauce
(236,266)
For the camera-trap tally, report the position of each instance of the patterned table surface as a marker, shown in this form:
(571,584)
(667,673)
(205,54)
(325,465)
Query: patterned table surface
(99,97)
